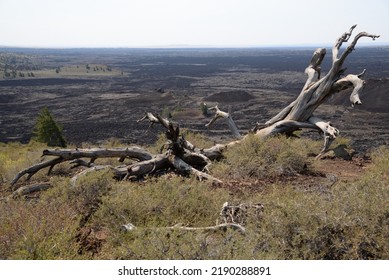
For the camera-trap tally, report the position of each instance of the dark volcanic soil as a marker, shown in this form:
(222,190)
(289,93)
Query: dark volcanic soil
(255,83)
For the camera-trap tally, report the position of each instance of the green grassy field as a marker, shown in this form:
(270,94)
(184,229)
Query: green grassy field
(22,66)
(95,70)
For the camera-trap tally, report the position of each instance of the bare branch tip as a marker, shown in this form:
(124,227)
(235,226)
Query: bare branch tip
(362,73)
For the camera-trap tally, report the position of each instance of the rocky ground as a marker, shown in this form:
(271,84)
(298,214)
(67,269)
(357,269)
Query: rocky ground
(253,83)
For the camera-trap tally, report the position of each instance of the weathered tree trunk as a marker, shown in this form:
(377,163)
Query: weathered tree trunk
(227,116)
(299,113)
(95,153)
(30,189)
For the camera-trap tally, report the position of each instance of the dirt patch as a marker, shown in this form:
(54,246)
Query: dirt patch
(91,239)
(230,96)
(188,115)
(346,170)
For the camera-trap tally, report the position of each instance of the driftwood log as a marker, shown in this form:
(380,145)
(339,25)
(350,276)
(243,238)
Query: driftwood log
(129,227)
(232,216)
(183,157)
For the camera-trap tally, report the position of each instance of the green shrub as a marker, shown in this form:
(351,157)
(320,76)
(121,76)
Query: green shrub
(89,191)
(157,203)
(204,109)
(257,158)
(47,131)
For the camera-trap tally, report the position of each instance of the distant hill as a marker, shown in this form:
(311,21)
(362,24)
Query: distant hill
(230,96)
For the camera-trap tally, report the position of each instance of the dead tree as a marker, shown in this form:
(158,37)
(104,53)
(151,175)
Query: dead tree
(227,116)
(183,157)
(299,113)
(180,156)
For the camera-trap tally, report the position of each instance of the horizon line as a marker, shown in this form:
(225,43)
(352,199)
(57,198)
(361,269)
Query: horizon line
(189,46)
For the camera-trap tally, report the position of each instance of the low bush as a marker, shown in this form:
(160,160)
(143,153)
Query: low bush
(257,158)
(42,229)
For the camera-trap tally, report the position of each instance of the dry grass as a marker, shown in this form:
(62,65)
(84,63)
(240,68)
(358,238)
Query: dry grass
(345,220)
(259,159)
(15,157)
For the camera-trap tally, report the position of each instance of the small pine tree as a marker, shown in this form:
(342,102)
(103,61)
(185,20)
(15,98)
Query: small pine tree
(47,131)
(204,109)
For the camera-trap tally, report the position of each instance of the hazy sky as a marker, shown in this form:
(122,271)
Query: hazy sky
(151,23)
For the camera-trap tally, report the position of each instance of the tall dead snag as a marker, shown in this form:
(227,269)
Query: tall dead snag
(299,113)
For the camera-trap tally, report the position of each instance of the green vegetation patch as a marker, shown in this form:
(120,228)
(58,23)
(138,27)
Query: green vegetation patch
(345,220)
(257,158)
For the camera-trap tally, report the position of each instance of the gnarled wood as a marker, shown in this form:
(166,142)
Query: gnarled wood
(95,153)
(299,113)
(237,227)
(354,81)
(223,115)
(35,168)
(142,168)
(30,189)
(63,155)
(185,168)
(314,67)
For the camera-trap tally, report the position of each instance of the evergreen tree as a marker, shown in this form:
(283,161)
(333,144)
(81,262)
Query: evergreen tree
(47,131)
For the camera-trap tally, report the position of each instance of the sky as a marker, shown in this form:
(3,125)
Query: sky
(187,23)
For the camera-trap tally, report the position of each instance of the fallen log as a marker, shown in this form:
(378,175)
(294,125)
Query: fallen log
(35,168)
(185,168)
(63,155)
(95,153)
(238,227)
(30,189)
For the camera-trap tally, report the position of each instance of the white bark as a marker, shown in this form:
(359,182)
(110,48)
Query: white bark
(183,167)
(240,228)
(353,81)
(227,116)
(299,113)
